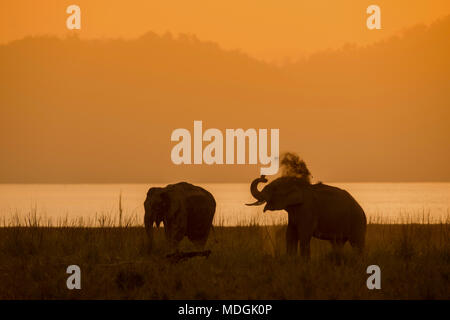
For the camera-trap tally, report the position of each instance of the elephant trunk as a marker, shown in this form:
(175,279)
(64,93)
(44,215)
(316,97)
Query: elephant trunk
(258,195)
(149,219)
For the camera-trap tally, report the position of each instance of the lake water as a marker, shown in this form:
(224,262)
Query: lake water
(88,204)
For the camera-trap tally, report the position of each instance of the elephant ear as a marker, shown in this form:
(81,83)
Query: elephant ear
(285,196)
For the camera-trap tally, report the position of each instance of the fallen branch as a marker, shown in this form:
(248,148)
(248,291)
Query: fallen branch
(180,256)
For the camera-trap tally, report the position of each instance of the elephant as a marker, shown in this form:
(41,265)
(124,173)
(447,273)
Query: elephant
(314,210)
(185,210)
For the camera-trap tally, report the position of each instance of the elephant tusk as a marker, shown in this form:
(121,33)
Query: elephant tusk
(256,203)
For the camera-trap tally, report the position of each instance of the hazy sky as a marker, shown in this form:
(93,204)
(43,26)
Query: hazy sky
(103,111)
(266,29)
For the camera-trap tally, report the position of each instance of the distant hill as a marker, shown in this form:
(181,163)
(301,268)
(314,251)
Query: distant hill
(76,110)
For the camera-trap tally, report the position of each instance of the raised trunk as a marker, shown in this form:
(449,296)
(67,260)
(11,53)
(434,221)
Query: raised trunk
(256,193)
(254,188)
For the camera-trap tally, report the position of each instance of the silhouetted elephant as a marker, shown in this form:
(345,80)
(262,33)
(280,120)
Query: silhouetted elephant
(314,210)
(185,210)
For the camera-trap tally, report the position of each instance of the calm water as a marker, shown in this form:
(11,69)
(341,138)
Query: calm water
(382,202)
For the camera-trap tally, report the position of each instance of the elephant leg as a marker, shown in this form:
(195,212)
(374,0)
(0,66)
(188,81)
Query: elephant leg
(291,239)
(358,239)
(198,239)
(305,248)
(173,237)
(358,246)
(199,223)
(306,227)
(175,228)
(338,244)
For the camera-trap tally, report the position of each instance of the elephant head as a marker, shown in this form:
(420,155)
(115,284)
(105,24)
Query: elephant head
(157,208)
(280,193)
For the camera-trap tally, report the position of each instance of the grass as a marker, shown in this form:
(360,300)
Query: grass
(247,262)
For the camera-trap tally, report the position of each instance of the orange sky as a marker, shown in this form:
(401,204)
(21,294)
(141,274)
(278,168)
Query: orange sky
(266,29)
(103,111)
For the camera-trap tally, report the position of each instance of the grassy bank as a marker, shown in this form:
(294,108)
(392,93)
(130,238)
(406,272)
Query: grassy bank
(245,263)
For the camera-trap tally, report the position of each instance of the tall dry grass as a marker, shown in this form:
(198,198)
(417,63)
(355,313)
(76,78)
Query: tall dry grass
(247,262)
